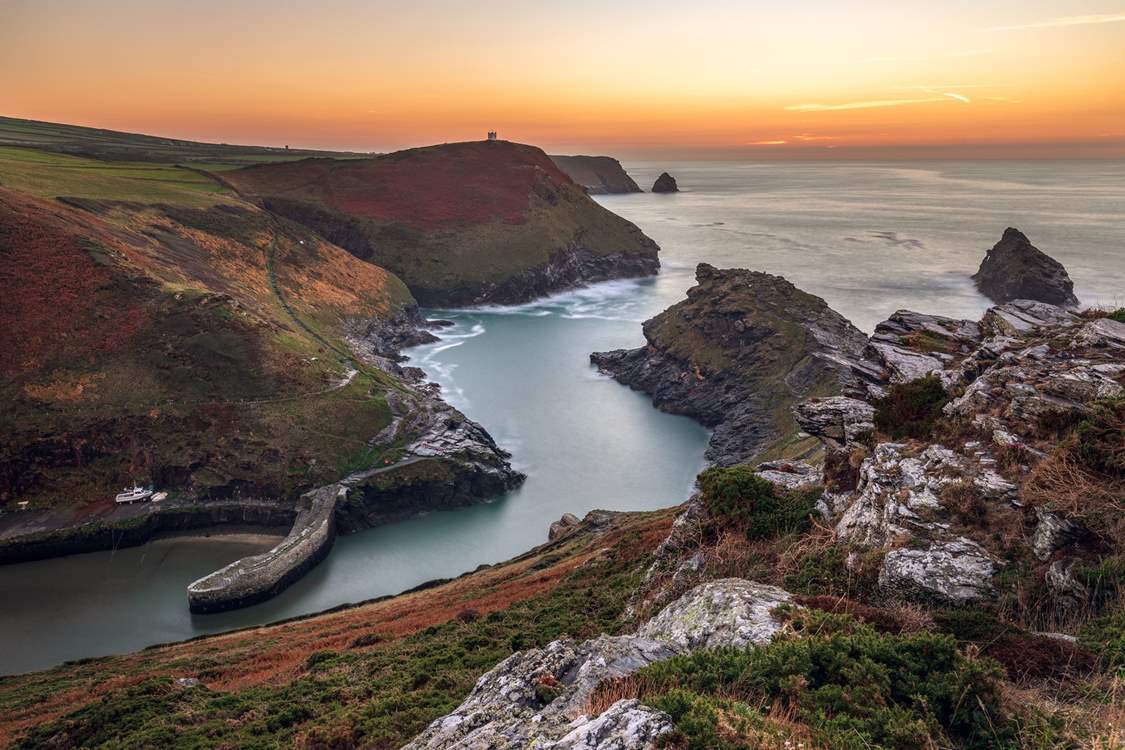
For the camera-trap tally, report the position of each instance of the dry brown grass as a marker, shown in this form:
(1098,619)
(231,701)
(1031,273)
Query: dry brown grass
(1061,483)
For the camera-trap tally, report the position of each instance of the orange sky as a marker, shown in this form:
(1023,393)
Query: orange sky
(713,77)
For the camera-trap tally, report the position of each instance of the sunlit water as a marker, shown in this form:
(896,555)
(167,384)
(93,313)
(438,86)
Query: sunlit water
(869,238)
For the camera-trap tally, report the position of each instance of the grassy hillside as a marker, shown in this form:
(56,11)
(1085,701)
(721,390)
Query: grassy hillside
(159,328)
(456,222)
(112,145)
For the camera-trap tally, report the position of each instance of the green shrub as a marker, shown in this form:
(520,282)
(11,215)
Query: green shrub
(1118,315)
(697,721)
(854,688)
(738,498)
(1100,443)
(1105,636)
(909,410)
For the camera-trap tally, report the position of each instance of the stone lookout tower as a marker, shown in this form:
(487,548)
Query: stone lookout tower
(492,135)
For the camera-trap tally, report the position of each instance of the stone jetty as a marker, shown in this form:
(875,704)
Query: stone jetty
(259,577)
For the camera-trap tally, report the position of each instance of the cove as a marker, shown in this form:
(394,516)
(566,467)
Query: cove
(584,441)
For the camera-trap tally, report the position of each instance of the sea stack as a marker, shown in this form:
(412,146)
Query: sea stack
(665,183)
(1016,269)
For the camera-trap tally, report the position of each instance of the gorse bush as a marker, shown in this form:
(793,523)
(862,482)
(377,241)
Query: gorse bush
(855,688)
(738,498)
(909,410)
(1101,437)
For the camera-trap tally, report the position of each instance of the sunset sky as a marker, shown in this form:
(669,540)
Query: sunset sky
(706,78)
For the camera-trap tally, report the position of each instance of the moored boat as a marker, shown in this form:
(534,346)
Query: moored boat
(134,494)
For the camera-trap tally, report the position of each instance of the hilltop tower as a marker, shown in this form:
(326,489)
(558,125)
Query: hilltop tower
(492,135)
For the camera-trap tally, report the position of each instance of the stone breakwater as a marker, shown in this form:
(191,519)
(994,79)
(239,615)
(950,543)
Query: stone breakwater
(259,577)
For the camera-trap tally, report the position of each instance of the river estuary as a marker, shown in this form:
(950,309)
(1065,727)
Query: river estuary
(869,238)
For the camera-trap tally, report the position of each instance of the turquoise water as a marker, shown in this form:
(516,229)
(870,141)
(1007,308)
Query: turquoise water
(869,238)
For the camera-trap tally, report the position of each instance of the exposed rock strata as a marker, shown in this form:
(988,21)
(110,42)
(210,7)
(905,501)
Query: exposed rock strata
(507,709)
(1015,269)
(738,353)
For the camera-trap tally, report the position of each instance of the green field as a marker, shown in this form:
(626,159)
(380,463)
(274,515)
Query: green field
(51,175)
(111,145)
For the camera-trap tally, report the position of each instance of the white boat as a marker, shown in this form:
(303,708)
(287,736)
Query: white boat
(134,494)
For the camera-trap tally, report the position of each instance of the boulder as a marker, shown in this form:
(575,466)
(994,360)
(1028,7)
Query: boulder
(538,698)
(727,612)
(955,571)
(1052,532)
(626,725)
(837,420)
(665,183)
(1015,269)
(565,525)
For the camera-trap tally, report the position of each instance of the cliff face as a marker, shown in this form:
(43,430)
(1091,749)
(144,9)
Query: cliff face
(461,224)
(737,354)
(600,175)
(1016,269)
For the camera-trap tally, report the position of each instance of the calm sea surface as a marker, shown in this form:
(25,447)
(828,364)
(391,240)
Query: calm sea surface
(869,238)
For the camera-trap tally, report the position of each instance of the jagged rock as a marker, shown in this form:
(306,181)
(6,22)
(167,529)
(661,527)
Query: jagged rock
(1103,332)
(1022,316)
(912,345)
(790,475)
(738,353)
(1015,269)
(727,612)
(1069,592)
(626,725)
(1052,532)
(665,183)
(838,420)
(957,571)
(565,525)
(508,709)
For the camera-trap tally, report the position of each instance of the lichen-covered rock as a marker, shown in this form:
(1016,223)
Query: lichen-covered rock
(537,698)
(1016,269)
(727,612)
(838,420)
(626,725)
(1069,593)
(789,475)
(956,570)
(1052,532)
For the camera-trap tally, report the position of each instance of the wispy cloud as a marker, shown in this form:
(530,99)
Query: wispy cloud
(870,104)
(1089,20)
(806,137)
(768,143)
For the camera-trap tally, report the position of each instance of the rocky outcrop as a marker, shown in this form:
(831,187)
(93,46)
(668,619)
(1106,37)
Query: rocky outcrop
(665,183)
(564,526)
(600,175)
(1016,269)
(539,698)
(738,354)
(936,510)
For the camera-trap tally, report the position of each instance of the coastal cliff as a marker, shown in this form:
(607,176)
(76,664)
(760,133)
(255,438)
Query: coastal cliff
(461,223)
(737,354)
(600,175)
